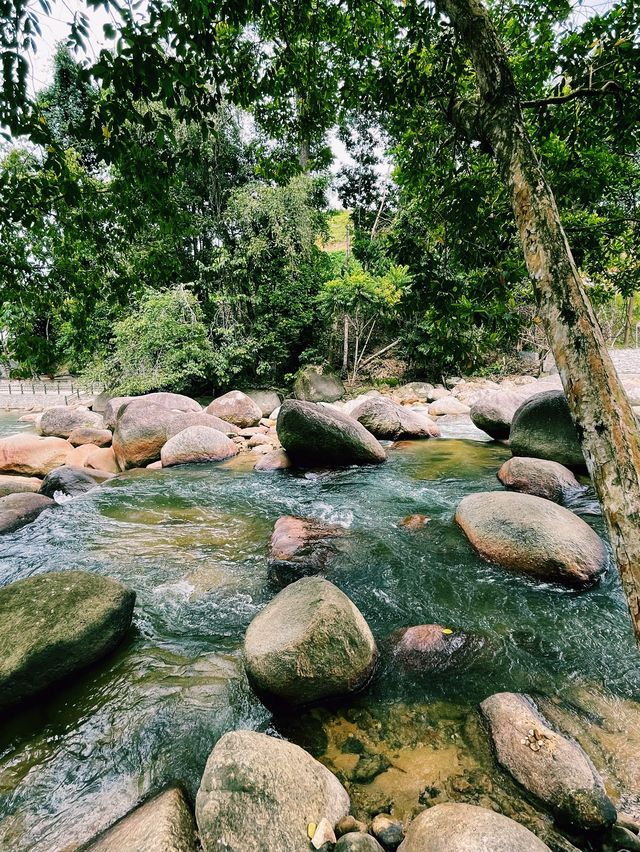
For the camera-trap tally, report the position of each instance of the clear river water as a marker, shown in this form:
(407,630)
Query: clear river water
(193,543)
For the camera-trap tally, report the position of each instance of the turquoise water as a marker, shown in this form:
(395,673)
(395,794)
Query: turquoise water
(193,543)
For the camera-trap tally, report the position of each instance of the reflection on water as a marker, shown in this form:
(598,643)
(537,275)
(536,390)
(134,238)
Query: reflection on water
(193,542)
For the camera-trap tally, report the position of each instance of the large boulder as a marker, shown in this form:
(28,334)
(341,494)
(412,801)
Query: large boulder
(237,408)
(542,428)
(163,824)
(540,477)
(386,419)
(448,405)
(112,409)
(493,412)
(314,384)
(453,827)
(274,460)
(32,455)
(550,766)
(19,484)
(533,536)
(18,510)
(313,435)
(90,435)
(54,624)
(309,643)
(266,400)
(413,392)
(61,421)
(173,402)
(300,546)
(142,431)
(72,481)
(197,445)
(260,793)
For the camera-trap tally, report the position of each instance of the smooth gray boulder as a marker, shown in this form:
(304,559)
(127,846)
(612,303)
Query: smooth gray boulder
(316,436)
(453,827)
(309,643)
(543,428)
(197,445)
(266,400)
(72,481)
(260,793)
(18,510)
(533,536)
(163,824)
(52,625)
(314,384)
(61,421)
(552,767)
(387,420)
(540,477)
(237,408)
(493,412)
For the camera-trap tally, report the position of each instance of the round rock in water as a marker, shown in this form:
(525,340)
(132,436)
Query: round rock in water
(54,624)
(553,768)
(71,481)
(260,793)
(494,412)
(316,436)
(197,445)
(309,643)
(540,477)
(18,510)
(61,421)
(452,827)
(533,536)
(543,428)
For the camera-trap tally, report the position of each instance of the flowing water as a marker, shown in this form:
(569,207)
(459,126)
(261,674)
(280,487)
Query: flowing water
(193,543)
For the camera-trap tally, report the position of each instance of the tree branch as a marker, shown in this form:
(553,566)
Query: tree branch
(609,88)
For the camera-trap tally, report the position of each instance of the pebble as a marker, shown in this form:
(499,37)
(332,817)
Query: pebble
(387,830)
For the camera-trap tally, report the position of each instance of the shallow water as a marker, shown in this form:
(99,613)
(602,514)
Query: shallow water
(192,542)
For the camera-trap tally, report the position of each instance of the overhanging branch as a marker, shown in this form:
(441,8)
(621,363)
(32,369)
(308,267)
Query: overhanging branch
(609,88)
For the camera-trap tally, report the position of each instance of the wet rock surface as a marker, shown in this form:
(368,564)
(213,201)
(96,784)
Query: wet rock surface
(540,477)
(71,481)
(533,536)
(18,510)
(258,793)
(309,643)
(550,766)
(301,546)
(54,624)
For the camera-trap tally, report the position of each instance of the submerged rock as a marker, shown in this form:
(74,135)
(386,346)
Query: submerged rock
(72,481)
(32,455)
(61,421)
(543,428)
(533,536)
(260,793)
(453,827)
(493,412)
(237,408)
(387,420)
(309,643)
(54,624)
(434,648)
(163,824)
(313,435)
(300,546)
(11,484)
(197,445)
(540,477)
(553,768)
(313,384)
(90,435)
(415,522)
(18,510)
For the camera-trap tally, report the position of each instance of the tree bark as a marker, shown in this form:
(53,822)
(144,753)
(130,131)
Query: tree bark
(606,424)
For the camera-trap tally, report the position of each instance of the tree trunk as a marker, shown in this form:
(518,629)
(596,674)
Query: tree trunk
(628,319)
(345,345)
(606,425)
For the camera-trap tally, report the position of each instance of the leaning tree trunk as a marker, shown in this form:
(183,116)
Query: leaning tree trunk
(606,424)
